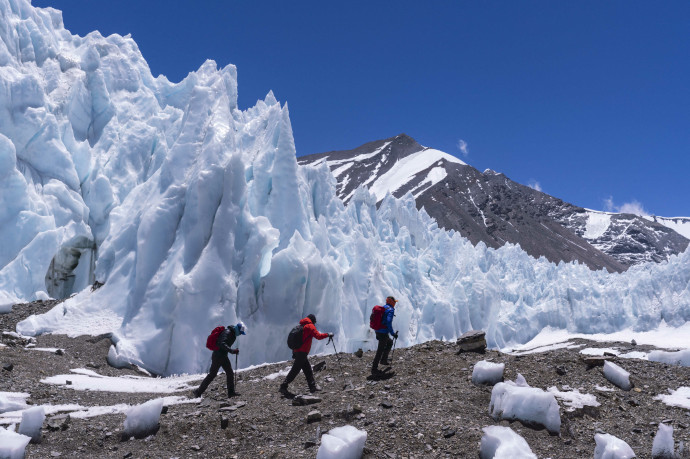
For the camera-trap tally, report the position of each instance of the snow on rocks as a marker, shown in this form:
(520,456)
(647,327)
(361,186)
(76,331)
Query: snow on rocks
(83,379)
(617,375)
(573,399)
(679,397)
(485,372)
(518,401)
(503,443)
(663,446)
(142,420)
(32,422)
(12,444)
(610,447)
(673,358)
(346,442)
(12,401)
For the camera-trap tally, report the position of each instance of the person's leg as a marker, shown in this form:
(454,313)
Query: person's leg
(292,374)
(215,366)
(379,352)
(388,345)
(309,374)
(225,363)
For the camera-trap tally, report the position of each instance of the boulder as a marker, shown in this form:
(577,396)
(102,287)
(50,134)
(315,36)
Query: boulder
(302,400)
(472,341)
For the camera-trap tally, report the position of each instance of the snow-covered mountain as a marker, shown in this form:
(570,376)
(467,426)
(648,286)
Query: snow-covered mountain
(193,213)
(491,208)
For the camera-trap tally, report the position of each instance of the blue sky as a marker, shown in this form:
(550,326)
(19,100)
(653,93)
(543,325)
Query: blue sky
(588,100)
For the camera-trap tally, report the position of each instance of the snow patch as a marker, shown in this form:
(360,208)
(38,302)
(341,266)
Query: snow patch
(503,443)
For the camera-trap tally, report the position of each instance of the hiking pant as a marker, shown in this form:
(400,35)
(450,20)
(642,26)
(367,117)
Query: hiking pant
(301,363)
(218,359)
(385,345)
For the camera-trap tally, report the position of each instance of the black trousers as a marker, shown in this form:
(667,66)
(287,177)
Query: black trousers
(301,363)
(385,345)
(218,359)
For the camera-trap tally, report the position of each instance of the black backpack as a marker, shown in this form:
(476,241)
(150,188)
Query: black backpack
(294,339)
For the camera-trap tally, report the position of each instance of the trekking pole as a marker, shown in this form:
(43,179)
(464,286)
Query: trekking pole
(236,355)
(342,373)
(393,351)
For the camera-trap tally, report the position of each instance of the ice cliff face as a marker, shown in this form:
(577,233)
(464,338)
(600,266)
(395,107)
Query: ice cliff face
(195,213)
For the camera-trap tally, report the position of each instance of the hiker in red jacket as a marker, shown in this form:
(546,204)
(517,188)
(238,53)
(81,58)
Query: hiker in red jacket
(300,354)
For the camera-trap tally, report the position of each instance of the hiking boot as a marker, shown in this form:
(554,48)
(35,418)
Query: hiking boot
(233,394)
(385,362)
(283,389)
(376,371)
(196,394)
(315,388)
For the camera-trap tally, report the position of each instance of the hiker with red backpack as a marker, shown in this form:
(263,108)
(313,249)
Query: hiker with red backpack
(220,341)
(381,321)
(301,345)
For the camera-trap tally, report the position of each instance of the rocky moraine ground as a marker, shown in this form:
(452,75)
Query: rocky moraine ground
(429,408)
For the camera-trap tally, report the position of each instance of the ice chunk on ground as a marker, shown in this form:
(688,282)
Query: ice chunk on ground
(610,447)
(142,420)
(346,442)
(673,358)
(503,443)
(485,372)
(511,400)
(12,444)
(663,447)
(616,375)
(12,401)
(32,421)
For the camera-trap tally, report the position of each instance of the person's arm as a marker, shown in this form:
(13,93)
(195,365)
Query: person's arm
(227,339)
(389,321)
(320,336)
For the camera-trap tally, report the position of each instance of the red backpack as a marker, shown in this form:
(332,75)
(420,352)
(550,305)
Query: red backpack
(376,317)
(212,340)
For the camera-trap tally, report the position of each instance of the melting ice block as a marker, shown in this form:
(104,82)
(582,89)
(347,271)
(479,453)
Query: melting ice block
(32,421)
(142,420)
(673,358)
(610,447)
(616,375)
(663,447)
(12,444)
(503,443)
(346,442)
(517,400)
(485,372)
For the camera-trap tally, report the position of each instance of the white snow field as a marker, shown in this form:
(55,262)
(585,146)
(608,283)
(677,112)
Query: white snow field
(503,443)
(610,447)
(518,401)
(194,213)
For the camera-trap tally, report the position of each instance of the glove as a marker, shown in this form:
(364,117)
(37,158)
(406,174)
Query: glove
(235,351)
(330,335)
(395,335)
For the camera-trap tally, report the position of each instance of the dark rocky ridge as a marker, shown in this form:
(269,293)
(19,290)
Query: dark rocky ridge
(491,208)
(428,409)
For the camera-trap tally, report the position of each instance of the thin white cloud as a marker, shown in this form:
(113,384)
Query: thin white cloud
(462,146)
(632,207)
(534,185)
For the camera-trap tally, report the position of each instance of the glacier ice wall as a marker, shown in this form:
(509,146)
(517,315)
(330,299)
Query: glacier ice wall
(196,215)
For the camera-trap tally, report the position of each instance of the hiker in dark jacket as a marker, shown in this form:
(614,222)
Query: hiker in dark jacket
(220,359)
(300,354)
(385,342)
